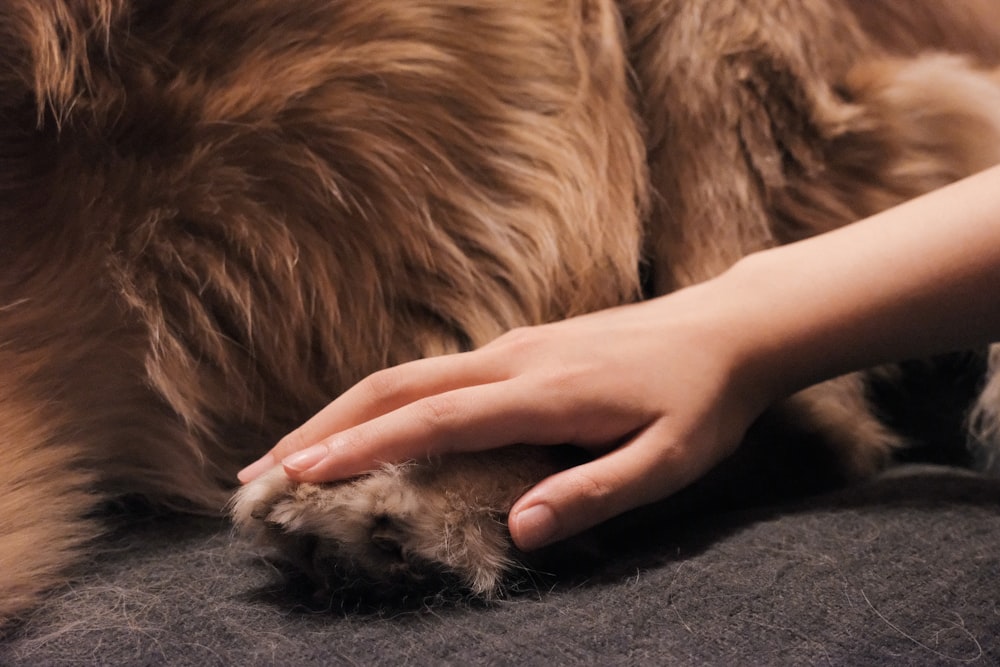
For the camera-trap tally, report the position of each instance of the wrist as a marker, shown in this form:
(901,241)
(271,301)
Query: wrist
(781,324)
(730,322)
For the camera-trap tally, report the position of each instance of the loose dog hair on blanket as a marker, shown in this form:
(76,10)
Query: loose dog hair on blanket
(215,216)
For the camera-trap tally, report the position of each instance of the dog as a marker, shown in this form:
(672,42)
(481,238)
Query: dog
(216,216)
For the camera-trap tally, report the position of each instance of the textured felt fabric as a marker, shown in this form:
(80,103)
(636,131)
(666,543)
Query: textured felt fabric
(901,570)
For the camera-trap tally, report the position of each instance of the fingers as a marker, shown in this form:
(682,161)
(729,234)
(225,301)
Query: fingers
(642,471)
(466,419)
(377,395)
(387,390)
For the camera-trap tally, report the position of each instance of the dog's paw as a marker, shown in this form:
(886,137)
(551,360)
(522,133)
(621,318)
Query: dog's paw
(401,528)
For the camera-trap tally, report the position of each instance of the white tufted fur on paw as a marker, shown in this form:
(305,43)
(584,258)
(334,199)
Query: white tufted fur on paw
(401,525)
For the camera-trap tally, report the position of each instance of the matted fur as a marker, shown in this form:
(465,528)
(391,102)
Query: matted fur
(214,216)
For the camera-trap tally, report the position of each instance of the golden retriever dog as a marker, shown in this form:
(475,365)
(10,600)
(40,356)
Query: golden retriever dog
(216,215)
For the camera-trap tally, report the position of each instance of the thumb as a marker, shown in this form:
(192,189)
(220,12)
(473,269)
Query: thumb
(646,469)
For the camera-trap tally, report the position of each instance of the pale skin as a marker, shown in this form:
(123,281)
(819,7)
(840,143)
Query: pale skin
(665,389)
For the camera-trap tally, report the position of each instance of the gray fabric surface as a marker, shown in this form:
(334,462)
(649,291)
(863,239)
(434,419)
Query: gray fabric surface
(902,570)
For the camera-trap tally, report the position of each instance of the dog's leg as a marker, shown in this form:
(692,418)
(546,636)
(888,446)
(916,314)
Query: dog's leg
(60,386)
(402,528)
(79,423)
(45,495)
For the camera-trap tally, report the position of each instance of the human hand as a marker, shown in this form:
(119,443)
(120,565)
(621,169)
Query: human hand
(663,390)
(655,389)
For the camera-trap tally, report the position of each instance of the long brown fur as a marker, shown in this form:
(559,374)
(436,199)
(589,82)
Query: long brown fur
(215,216)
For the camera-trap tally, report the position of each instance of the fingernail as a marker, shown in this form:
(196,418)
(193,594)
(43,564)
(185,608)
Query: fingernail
(305,459)
(535,527)
(256,469)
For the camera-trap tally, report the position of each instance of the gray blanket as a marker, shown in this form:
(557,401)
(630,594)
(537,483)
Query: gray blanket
(901,570)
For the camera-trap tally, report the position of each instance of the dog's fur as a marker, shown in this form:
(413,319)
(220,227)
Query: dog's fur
(215,216)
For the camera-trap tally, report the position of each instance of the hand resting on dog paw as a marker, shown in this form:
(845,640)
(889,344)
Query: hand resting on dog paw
(664,389)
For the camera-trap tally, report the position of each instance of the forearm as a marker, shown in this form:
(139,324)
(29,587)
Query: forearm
(921,278)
